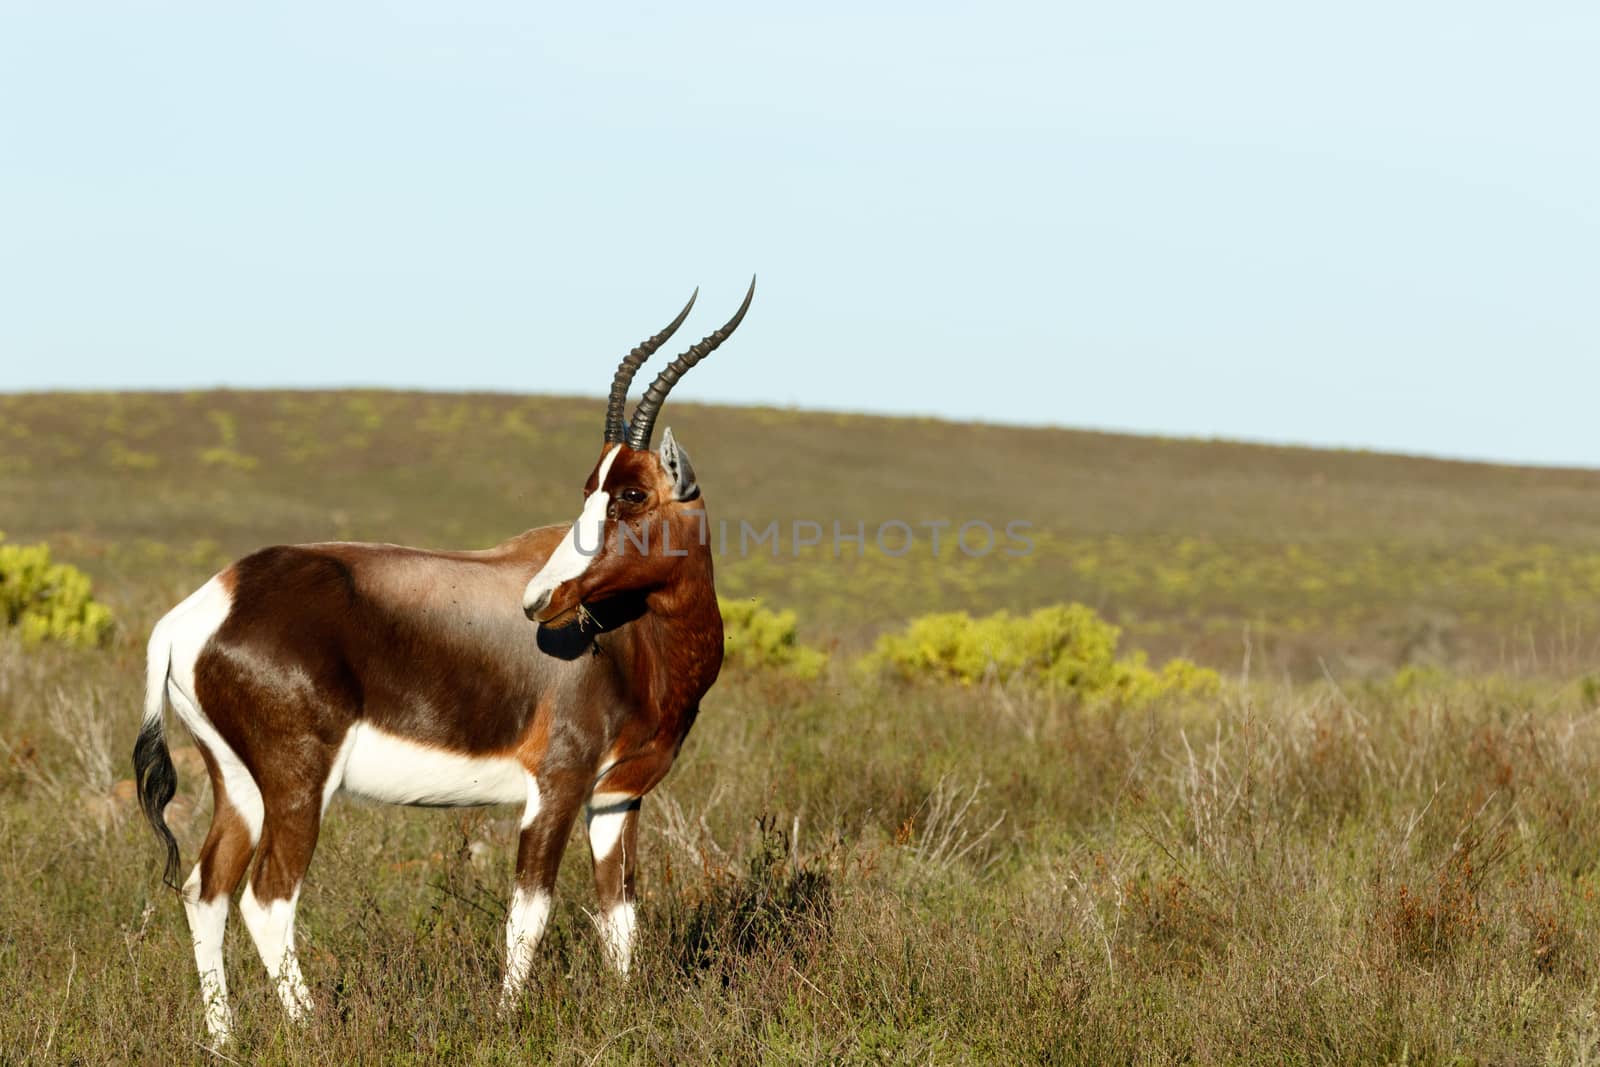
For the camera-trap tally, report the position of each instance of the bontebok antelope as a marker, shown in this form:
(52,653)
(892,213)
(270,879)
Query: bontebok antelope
(559,671)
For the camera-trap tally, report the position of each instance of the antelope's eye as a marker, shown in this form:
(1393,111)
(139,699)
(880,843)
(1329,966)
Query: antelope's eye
(632,495)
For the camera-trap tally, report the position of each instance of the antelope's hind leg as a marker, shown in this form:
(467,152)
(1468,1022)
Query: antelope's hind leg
(209,888)
(293,819)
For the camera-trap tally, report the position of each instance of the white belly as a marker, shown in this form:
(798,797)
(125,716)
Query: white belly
(382,766)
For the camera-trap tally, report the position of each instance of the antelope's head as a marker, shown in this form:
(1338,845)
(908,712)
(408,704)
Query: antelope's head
(643,525)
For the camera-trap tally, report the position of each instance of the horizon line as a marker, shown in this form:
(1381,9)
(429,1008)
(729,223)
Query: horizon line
(1244,440)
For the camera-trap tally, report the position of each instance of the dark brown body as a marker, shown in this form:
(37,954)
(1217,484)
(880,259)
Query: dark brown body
(433,647)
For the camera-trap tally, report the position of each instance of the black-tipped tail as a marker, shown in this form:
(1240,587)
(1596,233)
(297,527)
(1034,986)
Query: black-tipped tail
(157,781)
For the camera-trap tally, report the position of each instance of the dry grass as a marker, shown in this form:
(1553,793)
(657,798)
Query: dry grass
(1290,874)
(1331,864)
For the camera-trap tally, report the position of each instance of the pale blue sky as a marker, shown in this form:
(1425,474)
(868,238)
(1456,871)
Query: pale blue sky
(1367,224)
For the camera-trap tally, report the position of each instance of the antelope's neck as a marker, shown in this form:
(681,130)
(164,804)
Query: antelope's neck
(682,644)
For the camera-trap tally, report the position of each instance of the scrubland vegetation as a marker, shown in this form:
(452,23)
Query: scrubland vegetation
(48,601)
(1356,824)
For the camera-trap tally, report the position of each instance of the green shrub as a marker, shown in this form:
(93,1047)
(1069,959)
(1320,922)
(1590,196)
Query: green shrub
(1414,679)
(756,637)
(49,601)
(1065,648)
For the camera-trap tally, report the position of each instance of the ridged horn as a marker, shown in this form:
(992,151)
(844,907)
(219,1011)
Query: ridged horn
(644,416)
(615,425)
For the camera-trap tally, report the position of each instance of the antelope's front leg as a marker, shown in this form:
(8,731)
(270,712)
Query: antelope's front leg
(613,839)
(613,815)
(553,802)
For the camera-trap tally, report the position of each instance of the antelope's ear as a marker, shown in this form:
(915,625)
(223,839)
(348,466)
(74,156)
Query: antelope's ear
(676,462)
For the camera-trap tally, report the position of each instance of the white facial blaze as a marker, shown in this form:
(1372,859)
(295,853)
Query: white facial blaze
(578,549)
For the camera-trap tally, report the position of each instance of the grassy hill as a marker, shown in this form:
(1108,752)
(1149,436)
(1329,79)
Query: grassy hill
(1364,560)
(1328,860)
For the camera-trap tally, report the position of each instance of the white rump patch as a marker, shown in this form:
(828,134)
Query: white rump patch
(187,628)
(383,766)
(576,550)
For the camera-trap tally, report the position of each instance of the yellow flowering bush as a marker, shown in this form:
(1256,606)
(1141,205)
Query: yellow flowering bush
(47,600)
(1065,647)
(757,637)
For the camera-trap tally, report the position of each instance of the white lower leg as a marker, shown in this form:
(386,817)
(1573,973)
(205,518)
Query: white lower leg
(616,935)
(530,910)
(271,926)
(208,920)
(608,819)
